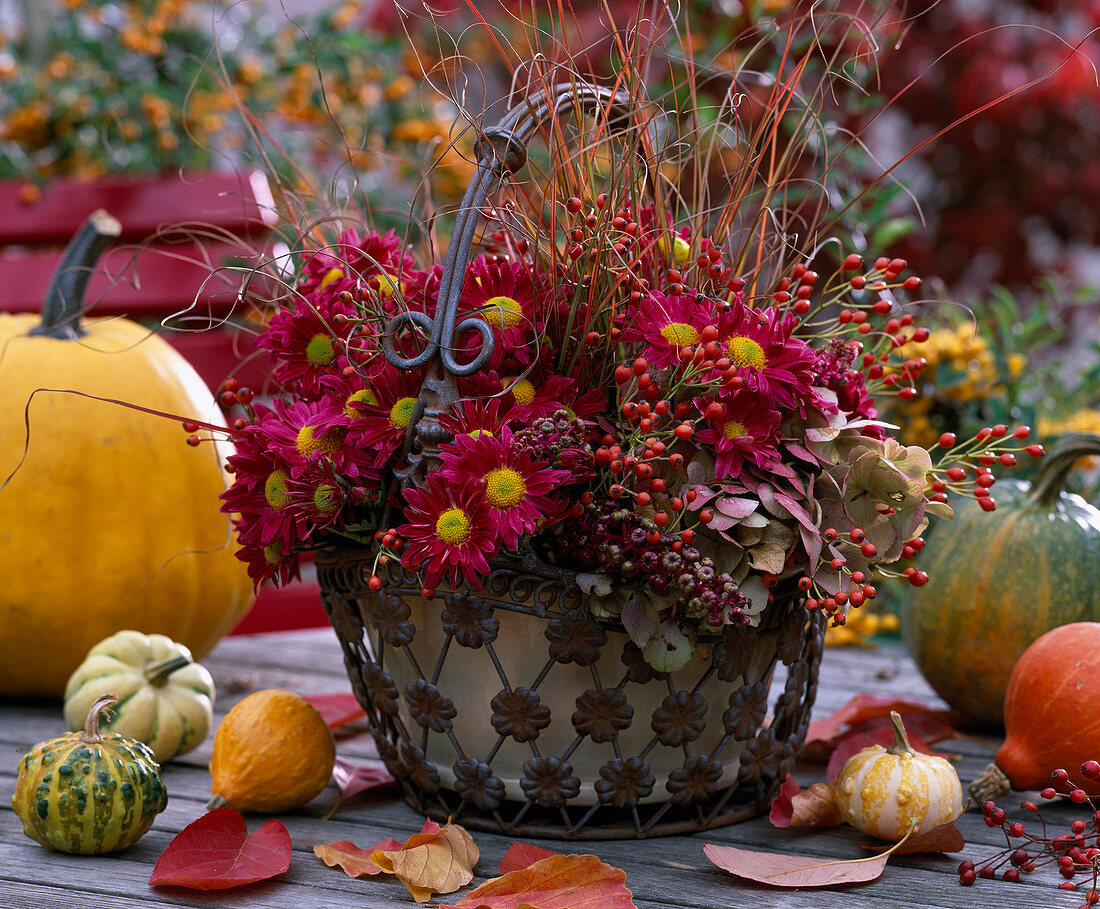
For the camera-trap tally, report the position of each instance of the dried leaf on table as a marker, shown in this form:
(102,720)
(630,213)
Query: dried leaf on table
(337,709)
(865,712)
(555,882)
(353,860)
(432,861)
(882,735)
(813,807)
(780,870)
(217,852)
(944,838)
(351,779)
(520,855)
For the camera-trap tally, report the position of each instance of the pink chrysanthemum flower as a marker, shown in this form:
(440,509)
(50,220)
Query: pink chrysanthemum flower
(777,367)
(448,531)
(258,494)
(381,425)
(746,430)
(664,324)
(500,293)
(307,431)
(273,561)
(516,488)
(320,495)
(527,395)
(307,339)
(356,258)
(475,418)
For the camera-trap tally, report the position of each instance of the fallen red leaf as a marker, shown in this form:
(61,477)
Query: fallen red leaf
(555,882)
(794,870)
(354,860)
(857,741)
(337,709)
(217,852)
(945,838)
(865,712)
(520,855)
(813,807)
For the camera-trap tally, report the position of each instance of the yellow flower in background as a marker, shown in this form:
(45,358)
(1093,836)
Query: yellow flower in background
(860,627)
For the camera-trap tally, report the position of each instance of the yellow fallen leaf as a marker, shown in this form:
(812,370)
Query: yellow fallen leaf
(428,863)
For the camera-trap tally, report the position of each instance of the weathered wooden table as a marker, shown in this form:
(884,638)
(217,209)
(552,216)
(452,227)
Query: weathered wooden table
(670,871)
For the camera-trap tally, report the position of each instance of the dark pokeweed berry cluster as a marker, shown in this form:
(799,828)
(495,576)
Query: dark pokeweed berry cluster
(1075,854)
(607,537)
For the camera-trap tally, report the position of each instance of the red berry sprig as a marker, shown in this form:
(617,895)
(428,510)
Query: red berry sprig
(1075,854)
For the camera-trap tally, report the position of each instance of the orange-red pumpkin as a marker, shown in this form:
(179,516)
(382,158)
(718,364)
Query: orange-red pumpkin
(1051,720)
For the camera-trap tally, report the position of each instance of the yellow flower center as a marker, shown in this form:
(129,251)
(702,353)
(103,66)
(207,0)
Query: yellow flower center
(523,391)
(502,312)
(401,413)
(327,498)
(504,488)
(453,526)
(733,430)
(333,274)
(319,350)
(388,285)
(273,552)
(681,249)
(745,352)
(478,433)
(310,443)
(680,334)
(275,490)
(363,396)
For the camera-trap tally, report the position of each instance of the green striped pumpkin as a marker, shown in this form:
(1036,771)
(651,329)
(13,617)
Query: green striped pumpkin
(1000,580)
(89,793)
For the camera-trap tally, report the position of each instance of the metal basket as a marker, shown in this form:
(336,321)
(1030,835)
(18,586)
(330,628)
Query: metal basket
(510,708)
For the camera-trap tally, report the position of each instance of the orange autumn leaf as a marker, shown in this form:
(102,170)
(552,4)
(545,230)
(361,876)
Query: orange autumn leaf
(555,882)
(354,860)
(439,861)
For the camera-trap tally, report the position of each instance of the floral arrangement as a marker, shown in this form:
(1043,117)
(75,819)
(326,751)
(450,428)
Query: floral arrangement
(679,404)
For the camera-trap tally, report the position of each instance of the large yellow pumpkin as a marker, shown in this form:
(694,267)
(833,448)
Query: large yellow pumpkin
(108,519)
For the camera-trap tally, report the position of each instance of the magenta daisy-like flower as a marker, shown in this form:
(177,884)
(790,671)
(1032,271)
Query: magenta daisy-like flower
(266,561)
(527,395)
(779,368)
(746,430)
(448,531)
(356,258)
(382,423)
(501,293)
(516,488)
(307,431)
(307,339)
(664,324)
(475,418)
(319,494)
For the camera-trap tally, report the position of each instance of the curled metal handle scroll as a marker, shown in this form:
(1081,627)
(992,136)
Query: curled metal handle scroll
(500,148)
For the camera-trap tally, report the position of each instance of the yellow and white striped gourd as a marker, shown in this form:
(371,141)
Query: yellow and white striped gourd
(887,792)
(165,699)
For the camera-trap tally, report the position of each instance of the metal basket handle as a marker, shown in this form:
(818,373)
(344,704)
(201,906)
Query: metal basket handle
(499,149)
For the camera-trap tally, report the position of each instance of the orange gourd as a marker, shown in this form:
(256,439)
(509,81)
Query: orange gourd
(1051,721)
(272,752)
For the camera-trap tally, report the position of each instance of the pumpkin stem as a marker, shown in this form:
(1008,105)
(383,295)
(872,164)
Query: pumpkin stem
(991,783)
(158,673)
(1057,465)
(91,734)
(65,294)
(217,801)
(901,740)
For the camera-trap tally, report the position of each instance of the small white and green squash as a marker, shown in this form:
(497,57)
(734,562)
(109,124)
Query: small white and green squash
(87,792)
(165,698)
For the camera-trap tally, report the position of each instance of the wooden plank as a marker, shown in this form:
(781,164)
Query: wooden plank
(665,872)
(238,203)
